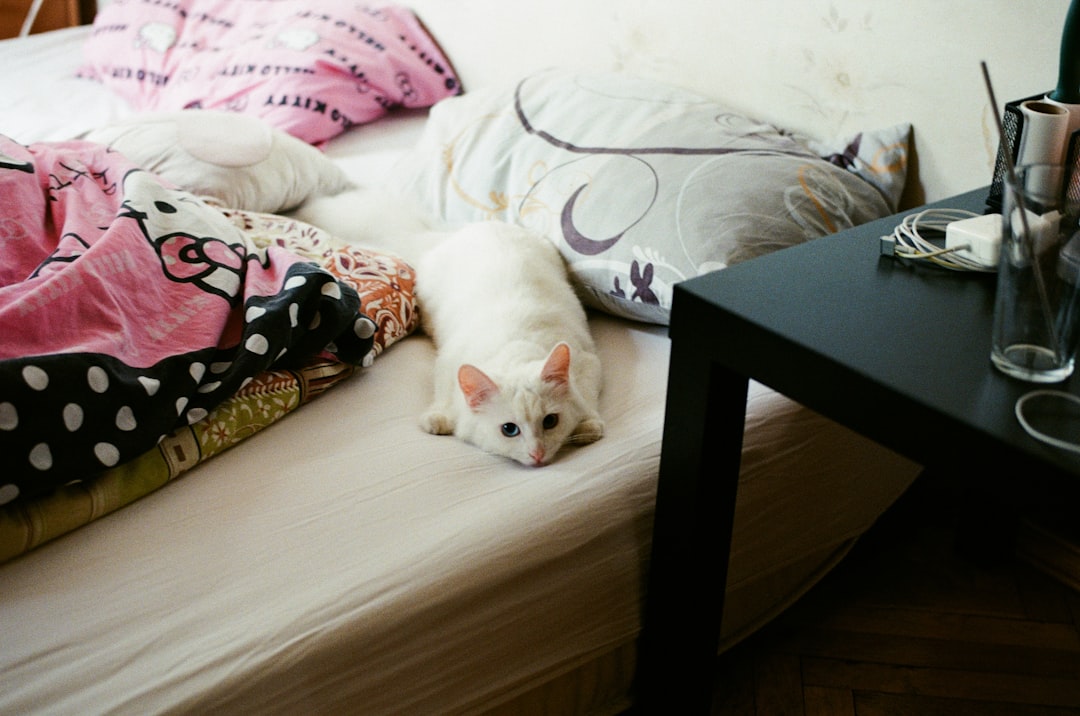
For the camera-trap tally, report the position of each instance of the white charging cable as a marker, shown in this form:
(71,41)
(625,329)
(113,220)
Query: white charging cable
(1035,432)
(908,241)
(31,15)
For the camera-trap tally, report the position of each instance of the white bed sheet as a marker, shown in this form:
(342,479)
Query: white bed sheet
(66,106)
(344,560)
(343,557)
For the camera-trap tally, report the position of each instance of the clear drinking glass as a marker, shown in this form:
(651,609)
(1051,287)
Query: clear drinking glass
(1037,307)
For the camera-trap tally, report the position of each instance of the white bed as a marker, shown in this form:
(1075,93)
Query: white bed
(340,563)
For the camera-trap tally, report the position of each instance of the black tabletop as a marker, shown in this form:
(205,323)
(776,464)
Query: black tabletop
(896,350)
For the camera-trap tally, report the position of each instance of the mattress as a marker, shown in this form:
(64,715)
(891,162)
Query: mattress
(343,560)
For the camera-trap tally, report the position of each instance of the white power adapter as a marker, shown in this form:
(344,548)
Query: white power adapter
(977,238)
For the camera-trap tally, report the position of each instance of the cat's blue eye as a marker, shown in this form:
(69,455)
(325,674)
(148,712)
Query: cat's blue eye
(510,430)
(551,421)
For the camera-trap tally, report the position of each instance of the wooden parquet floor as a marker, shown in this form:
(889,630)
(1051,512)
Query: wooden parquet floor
(909,625)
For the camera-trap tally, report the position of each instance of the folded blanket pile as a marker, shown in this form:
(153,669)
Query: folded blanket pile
(145,329)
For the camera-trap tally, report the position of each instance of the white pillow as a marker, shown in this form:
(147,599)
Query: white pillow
(238,159)
(640,184)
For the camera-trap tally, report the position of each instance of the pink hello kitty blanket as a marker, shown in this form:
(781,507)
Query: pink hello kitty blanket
(313,68)
(129,308)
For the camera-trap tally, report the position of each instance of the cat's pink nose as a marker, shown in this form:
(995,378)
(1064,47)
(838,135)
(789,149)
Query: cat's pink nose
(538,456)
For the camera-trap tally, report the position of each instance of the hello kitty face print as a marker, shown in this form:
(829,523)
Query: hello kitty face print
(205,250)
(298,39)
(156,36)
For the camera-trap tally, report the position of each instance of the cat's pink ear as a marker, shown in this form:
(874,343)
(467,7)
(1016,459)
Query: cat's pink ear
(557,367)
(476,386)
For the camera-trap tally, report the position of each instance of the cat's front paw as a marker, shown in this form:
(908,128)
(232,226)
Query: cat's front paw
(588,430)
(437,422)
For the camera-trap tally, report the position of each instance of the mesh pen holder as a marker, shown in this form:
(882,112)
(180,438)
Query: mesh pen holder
(1012,123)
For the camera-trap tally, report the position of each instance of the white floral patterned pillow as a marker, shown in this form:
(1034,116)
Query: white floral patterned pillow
(640,184)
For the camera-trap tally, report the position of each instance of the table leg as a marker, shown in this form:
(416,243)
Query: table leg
(695,507)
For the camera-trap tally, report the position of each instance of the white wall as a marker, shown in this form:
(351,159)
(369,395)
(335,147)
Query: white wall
(822,67)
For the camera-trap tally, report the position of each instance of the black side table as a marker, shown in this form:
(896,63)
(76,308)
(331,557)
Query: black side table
(896,351)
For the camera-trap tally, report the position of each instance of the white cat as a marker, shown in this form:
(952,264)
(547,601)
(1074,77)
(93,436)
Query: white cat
(516,373)
(373,218)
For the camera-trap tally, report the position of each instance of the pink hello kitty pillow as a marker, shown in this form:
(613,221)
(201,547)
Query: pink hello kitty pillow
(312,68)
